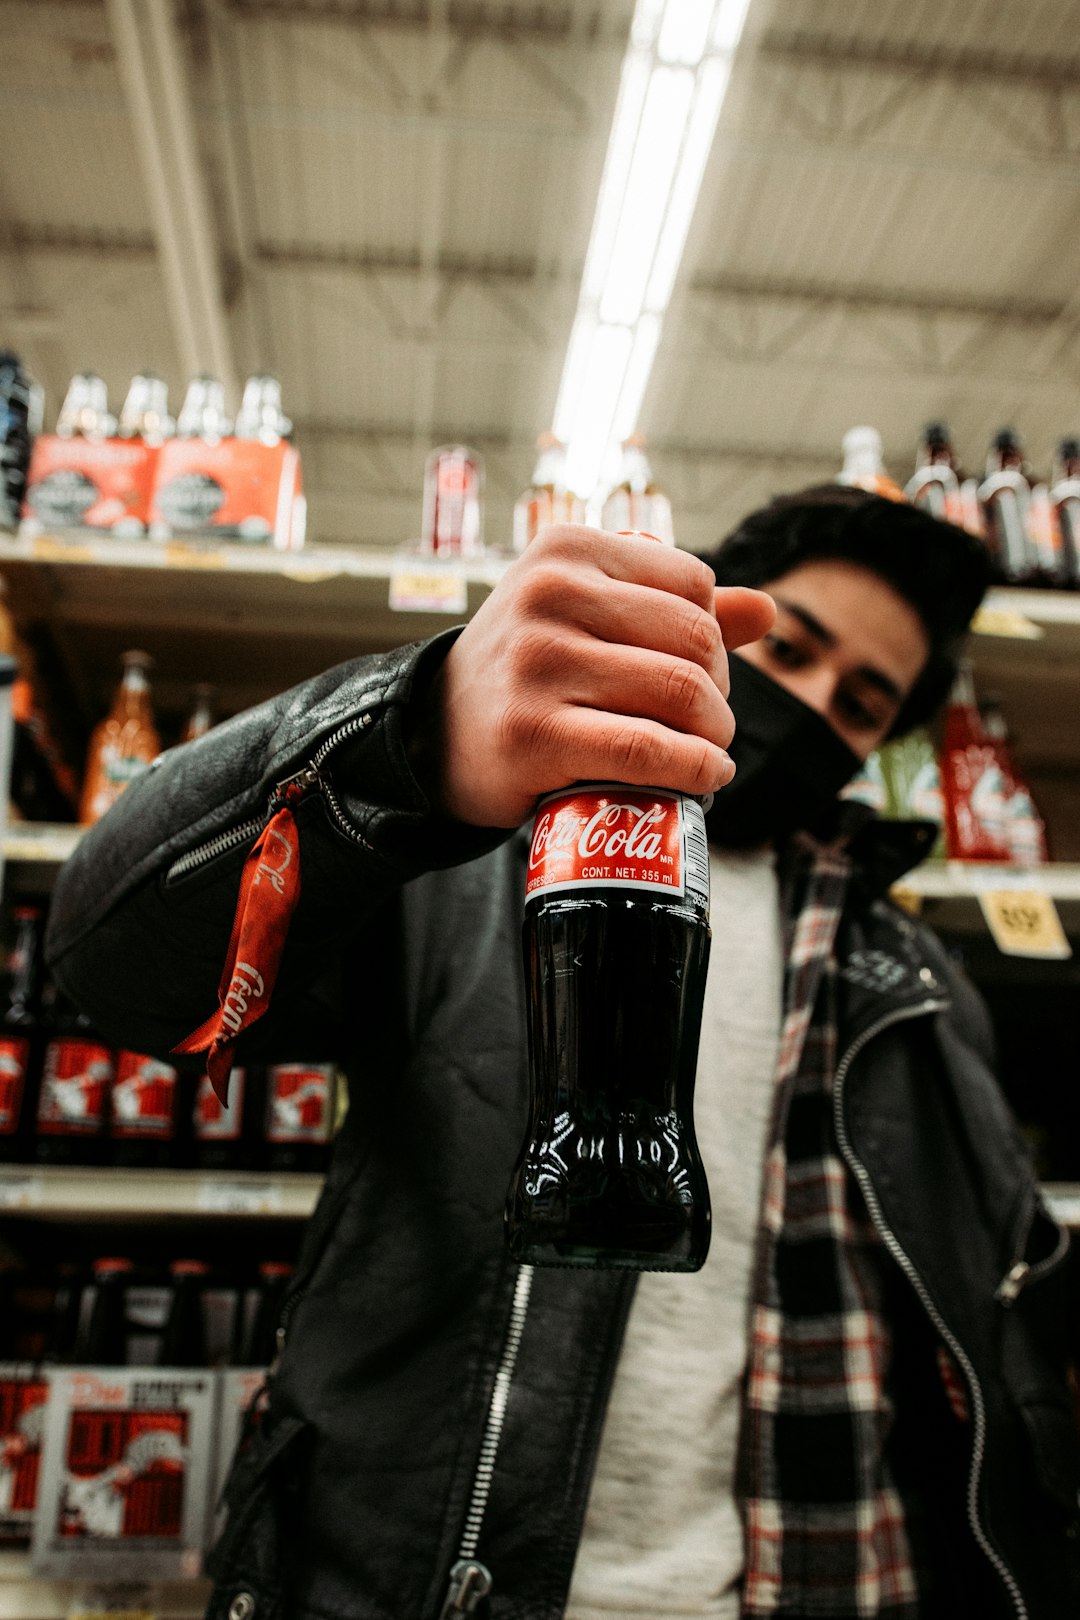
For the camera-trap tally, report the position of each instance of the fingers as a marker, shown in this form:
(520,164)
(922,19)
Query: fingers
(743,615)
(592,746)
(624,557)
(630,682)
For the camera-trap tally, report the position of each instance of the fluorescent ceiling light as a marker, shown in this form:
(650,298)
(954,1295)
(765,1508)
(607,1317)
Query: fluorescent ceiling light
(674,77)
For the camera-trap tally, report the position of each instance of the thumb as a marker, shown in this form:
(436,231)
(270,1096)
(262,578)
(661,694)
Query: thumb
(743,615)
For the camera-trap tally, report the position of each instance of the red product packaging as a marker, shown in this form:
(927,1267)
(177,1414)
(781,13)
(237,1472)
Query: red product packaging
(234,489)
(613,837)
(972,782)
(79,483)
(143,1097)
(14,1064)
(299,1102)
(22,1420)
(75,1081)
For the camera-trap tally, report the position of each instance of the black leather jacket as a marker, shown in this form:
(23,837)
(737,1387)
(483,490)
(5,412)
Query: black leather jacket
(434,1406)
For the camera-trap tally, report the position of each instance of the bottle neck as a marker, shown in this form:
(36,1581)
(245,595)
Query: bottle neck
(24,960)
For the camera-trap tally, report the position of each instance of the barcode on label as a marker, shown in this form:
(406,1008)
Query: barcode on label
(697,850)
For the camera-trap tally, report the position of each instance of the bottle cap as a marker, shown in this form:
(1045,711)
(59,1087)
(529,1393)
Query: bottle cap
(112,1265)
(189,1268)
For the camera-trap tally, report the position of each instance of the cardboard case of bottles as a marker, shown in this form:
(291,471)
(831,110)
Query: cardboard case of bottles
(127,1467)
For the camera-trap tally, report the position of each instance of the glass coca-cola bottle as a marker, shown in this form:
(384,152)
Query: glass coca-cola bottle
(227,1136)
(20,1037)
(616,944)
(72,1115)
(143,1114)
(183,1341)
(103,1336)
(300,1104)
(1005,495)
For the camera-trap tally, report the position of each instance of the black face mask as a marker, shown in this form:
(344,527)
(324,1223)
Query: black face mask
(790,766)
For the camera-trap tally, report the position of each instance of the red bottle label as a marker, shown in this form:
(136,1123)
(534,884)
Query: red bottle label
(22,1414)
(143,1097)
(14,1056)
(124,1475)
(614,837)
(298,1102)
(212,1121)
(75,1084)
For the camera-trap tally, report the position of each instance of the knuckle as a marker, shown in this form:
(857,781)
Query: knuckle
(636,753)
(542,590)
(704,642)
(684,689)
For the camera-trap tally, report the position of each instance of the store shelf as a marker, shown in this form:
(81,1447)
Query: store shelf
(1063,1201)
(248,619)
(966,880)
(24,1596)
(40,843)
(66,1193)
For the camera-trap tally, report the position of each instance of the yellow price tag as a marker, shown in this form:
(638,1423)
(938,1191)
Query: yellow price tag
(992,621)
(908,899)
(178,554)
(1024,922)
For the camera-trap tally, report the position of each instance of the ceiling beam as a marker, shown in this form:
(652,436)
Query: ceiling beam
(153,75)
(963,65)
(576,20)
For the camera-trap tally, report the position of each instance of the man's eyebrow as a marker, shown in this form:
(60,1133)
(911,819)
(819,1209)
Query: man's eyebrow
(814,627)
(807,620)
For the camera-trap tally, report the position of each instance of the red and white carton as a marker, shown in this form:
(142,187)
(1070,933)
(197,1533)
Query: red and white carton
(24,1392)
(14,1064)
(234,489)
(76,1078)
(605,835)
(78,483)
(300,1102)
(213,1120)
(143,1097)
(125,1473)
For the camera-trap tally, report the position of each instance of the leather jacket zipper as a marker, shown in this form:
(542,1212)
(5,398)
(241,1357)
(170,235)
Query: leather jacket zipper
(1023,1272)
(892,1244)
(470,1580)
(308,778)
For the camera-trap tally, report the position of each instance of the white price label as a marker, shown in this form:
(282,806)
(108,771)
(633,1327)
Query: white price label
(21,1192)
(431,589)
(239,1197)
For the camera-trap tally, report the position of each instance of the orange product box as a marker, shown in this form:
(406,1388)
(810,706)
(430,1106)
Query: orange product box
(237,489)
(89,484)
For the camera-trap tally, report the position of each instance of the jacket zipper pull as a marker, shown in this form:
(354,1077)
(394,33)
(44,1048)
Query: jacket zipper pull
(469,1582)
(294,787)
(1011,1284)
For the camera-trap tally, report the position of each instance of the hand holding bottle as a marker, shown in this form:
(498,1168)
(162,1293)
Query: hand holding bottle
(598,657)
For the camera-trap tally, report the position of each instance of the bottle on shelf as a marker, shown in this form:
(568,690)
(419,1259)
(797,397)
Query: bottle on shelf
(20,1037)
(451,525)
(20,423)
(300,1110)
(145,412)
(72,1114)
(637,503)
(260,416)
(124,744)
(935,483)
(1005,495)
(143,1112)
(202,415)
(228,1138)
(85,412)
(201,718)
(913,774)
(868,785)
(547,499)
(183,1341)
(864,464)
(1024,829)
(62,1334)
(973,783)
(259,1345)
(1065,507)
(103,1335)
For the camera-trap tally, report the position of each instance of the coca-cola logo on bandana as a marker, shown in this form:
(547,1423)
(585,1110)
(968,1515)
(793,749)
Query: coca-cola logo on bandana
(610,836)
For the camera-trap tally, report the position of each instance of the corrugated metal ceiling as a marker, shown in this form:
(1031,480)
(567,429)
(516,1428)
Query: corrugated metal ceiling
(401,196)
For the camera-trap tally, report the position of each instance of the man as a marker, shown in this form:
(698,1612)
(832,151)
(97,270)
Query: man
(858,1406)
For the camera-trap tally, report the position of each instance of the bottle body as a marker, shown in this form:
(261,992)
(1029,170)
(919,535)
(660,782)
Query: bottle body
(123,745)
(1005,495)
(547,499)
(143,1114)
(453,494)
(73,1098)
(299,1119)
(20,1044)
(972,781)
(616,945)
(637,504)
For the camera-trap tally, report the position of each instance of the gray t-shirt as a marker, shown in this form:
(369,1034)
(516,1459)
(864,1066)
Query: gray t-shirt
(662,1534)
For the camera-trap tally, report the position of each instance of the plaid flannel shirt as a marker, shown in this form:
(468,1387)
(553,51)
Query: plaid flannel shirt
(825,1525)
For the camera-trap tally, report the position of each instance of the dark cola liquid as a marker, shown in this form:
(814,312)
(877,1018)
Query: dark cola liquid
(610,1175)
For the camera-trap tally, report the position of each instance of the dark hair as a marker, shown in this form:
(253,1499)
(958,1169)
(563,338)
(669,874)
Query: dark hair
(940,569)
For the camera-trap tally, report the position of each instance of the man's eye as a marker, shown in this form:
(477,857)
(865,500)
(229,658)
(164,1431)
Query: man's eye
(858,714)
(785,652)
